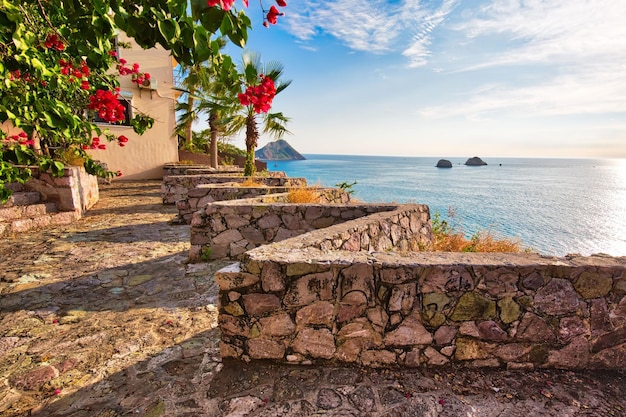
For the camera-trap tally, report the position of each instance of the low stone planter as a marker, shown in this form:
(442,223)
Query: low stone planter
(45,200)
(75,191)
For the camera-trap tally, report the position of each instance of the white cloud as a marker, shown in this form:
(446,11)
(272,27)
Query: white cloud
(373,26)
(552,31)
(563,57)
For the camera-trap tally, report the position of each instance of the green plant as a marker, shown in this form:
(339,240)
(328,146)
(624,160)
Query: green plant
(347,187)
(206,254)
(56,75)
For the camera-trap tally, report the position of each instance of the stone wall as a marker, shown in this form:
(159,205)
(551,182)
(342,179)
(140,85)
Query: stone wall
(75,191)
(229,229)
(176,187)
(204,194)
(301,301)
(184,169)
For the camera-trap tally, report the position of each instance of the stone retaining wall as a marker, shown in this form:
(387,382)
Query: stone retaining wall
(228,229)
(75,191)
(183,169)
(300,301)
(204,194)
(176,187)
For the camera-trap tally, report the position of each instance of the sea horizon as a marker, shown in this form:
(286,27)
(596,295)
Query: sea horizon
(555,206)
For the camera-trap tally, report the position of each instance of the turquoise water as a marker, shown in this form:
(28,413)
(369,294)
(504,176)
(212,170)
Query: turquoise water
(554,206)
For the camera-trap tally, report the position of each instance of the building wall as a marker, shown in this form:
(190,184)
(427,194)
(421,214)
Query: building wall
(143,156)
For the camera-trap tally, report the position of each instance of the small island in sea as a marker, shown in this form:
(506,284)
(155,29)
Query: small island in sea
(443,163)
(278,150)
(475,162)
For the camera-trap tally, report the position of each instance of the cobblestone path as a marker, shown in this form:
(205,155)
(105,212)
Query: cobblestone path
(105,318)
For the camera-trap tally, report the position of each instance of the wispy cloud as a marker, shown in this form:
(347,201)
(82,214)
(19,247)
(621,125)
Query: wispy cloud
(579,46)
(551,31)
(374,26)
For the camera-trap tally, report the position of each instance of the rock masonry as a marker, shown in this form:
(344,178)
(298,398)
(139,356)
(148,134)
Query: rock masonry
(301,304)
(198,197)
(230,228)
(176,187)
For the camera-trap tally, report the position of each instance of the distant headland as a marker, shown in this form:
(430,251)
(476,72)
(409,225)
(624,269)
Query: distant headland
(278,150)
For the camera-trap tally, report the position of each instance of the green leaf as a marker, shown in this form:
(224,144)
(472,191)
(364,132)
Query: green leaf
(201,50)
(169,29)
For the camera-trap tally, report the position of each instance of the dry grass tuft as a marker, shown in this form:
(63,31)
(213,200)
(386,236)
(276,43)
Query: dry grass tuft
(450,239)
(252,182)
(303,195)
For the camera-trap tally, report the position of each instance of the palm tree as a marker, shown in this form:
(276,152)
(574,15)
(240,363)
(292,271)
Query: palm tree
(211,88)
(273,124)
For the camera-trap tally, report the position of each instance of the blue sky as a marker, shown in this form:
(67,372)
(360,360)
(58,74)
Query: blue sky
(451,77)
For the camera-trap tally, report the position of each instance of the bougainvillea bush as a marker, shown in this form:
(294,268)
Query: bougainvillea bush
(59,71)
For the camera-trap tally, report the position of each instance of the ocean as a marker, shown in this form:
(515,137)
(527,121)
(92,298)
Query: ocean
(554,206)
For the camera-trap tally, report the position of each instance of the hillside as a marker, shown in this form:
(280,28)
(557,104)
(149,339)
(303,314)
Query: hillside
(278,150)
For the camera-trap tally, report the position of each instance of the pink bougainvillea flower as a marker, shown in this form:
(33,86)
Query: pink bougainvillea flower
(57,391)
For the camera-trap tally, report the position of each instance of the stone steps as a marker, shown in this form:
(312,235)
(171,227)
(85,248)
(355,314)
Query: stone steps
(25,211)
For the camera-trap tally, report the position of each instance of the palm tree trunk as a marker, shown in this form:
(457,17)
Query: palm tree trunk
(213,117)
(252,136)
(188,128)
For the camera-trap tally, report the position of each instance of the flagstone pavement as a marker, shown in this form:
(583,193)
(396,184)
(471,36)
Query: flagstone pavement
(106,318)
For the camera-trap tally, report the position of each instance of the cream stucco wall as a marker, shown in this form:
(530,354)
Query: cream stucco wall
(143,156)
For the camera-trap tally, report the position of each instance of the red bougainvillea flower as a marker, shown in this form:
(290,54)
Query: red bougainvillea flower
(53,41)
(121,140)
(118,174)
(85,85)
(281,3)
(224,4)
(259,96)
(106,104)
(272,15)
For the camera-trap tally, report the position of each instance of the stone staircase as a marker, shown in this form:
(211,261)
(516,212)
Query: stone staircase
(26,210)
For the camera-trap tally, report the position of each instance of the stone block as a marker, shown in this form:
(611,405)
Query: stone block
(259,304)
(278,325)
(378,358)
(491,331)
(470,349)
(473,306)
(265,349)
(534,329)
(557,298)
(575,355)
(352,305)
(410,332)
(445,335)
(308,289)
(318,343)
(232,280)
(320,313)
(509,310)
(272,278)
(593,285)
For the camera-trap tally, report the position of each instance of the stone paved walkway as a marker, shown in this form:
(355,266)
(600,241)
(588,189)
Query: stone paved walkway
(105,318)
